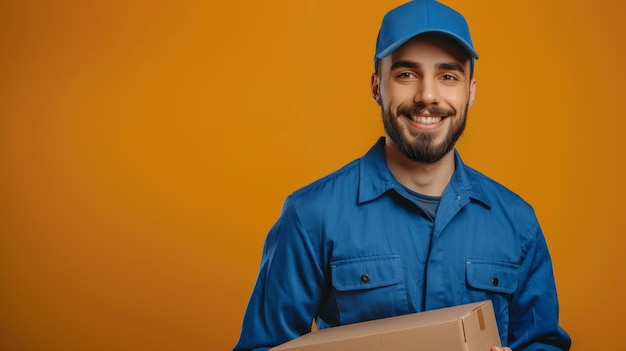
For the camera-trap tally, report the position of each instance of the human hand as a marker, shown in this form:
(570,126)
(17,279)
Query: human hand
(497,348)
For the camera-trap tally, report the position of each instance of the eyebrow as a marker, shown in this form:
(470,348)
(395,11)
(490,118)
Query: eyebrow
(448,66)
(404,64)
(451,66)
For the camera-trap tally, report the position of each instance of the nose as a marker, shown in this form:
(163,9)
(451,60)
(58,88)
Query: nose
(427,92)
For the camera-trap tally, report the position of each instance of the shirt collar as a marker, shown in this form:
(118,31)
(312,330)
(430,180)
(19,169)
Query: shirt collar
(375,178)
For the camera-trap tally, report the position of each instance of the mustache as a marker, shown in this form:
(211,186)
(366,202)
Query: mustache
(422,108)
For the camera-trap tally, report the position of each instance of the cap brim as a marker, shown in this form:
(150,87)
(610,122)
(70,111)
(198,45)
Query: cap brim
(391,48)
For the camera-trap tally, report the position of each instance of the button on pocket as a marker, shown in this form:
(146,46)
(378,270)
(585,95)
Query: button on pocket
(366,272)
(366,288)
(492,275)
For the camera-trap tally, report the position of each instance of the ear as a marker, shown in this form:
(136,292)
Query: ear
(375,86)
(472,95)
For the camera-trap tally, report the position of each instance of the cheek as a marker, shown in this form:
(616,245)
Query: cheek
(460,99)
(395,95)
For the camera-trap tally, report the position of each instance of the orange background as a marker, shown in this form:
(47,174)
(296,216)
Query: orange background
(146,148)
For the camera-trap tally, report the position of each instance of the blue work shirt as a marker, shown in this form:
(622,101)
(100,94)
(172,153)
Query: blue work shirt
(356,245)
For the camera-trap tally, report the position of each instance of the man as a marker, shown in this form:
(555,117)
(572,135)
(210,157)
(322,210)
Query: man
(408,227)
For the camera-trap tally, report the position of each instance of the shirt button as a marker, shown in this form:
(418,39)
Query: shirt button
(495,281)
(365,278)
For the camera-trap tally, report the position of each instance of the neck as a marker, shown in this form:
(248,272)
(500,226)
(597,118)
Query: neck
(428,179)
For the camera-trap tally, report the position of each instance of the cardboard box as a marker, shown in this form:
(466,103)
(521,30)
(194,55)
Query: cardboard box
(470,327)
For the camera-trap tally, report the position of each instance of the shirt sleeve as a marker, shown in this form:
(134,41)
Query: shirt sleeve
(534,311)
(289,286)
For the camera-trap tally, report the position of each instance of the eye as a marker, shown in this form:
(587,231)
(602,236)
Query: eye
(406,75)
(448,77)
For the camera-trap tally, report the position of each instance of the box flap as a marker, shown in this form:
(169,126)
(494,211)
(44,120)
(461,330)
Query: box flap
(480,328)
(453,328)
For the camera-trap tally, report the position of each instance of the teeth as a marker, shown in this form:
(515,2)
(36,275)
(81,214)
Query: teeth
(426,120)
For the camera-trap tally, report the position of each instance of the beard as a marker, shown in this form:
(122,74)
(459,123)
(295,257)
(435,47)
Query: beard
(423,149)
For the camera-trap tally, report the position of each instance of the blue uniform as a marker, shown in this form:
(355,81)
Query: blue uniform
(356,245)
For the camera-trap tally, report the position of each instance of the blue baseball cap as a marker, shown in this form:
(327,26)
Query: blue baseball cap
(418,17)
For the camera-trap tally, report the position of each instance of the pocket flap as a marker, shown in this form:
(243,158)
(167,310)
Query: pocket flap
(366,272)
(492,276)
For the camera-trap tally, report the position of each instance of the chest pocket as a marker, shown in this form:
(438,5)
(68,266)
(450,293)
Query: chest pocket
(495,281)
(499,277)
(369,288)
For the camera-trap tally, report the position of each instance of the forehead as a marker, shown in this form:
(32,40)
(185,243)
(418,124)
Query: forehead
(434,45)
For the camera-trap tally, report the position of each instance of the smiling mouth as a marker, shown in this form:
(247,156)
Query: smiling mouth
(426,116)
(426,119)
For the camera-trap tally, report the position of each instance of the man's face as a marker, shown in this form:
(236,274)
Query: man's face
(424,89)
